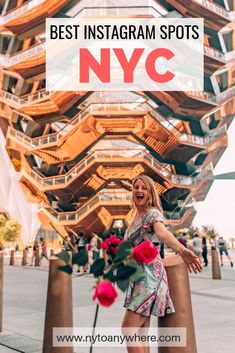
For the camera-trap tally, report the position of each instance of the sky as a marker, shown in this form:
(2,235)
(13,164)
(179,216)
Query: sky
(218,208)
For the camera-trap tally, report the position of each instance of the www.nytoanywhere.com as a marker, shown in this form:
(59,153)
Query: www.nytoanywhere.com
(113,337)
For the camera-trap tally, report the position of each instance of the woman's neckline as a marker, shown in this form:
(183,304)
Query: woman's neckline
(140,216)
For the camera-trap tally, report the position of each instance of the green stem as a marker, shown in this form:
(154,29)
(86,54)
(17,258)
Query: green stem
(94,325)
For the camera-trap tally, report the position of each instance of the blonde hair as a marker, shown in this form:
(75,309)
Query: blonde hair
(154,199)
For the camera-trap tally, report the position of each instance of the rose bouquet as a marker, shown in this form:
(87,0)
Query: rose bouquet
(122,264)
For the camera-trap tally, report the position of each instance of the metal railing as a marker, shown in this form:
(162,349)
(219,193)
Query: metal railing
(220,10)
(26,99)
(14,13)
(215,98)
(214,53)
(204,141)
(55,137)
(228,93)
(106,8)
(23,55)
(110,155)
(119,106)
(119,11)
(176,216)
(192,139)
(207,96)
(102,196)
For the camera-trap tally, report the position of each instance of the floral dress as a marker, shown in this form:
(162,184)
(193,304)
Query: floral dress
(149,296)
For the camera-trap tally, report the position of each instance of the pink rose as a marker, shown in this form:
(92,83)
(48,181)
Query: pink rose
(145,252)
(111,244)
(104,245)
(113,250)
(114,240)
(105,293)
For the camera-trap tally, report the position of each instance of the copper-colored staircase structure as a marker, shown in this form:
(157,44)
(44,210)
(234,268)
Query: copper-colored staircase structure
(80,150)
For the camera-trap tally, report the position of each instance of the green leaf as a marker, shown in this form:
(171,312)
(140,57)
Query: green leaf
(135,265)
(97,268)
(123,284)
(80,258)
(64,256)
(110,276)
(138,276)
(125,272)
(124,250)
(67,268)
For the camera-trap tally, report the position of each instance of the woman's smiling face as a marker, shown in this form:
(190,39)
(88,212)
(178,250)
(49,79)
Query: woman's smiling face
(140,194)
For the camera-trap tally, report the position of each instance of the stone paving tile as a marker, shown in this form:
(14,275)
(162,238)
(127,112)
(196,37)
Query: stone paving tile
(6,350)
(20,343)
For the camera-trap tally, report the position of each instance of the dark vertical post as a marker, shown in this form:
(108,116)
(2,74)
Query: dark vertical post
(37,258)
(178,279)
(12,258)
(59,308)
(24,258)
(216,274)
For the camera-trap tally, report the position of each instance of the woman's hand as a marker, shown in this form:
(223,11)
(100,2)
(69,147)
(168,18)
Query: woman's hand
(168,238)
(191,260)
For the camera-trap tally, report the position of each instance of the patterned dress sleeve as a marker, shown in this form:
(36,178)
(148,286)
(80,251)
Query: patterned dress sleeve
(156,216)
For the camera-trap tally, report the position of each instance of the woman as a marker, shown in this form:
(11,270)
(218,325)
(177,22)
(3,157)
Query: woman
(151,296)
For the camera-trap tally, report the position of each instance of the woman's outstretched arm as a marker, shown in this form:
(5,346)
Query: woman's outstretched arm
(165,236)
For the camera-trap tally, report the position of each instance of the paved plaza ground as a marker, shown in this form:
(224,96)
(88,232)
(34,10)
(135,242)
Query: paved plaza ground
(25,297)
